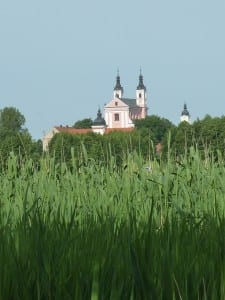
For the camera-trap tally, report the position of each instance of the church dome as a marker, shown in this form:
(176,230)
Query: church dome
(99,120)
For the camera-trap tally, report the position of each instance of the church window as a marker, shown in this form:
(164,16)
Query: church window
(116,103)
(116,117)
(139,95)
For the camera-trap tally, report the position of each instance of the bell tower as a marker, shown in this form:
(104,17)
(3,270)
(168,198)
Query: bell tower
(118,89)
(141,97)
(185,115)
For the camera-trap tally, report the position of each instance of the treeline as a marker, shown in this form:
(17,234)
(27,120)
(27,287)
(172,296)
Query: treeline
(207,135)
(152,138)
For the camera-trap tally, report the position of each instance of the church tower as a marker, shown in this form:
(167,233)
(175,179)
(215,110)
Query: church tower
(141,97)
(118,89)
(185,116)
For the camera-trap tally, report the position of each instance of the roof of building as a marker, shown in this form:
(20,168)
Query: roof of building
(141,85)
(99,120)
(185,111)
(118,86)
(130,102)
(73,130)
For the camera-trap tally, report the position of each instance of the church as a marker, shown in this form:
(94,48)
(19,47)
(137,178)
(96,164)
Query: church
(120,111)
(119,114)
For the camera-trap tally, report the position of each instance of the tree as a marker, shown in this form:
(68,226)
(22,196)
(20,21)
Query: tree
(83,146)
(210,133)
(14,137)
(156,127)
(11,120)
(36,150)
(85,123)
(182,138)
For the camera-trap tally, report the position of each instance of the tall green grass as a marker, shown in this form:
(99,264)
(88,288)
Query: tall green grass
(97,232)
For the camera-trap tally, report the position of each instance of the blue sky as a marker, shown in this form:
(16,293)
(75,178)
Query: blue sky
(59,59)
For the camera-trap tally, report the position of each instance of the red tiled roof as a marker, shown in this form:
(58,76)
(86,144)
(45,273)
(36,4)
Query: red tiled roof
(73,130)
(86,130)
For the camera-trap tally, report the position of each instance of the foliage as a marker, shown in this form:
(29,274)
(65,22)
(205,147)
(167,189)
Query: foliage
(62,144)
(155,126)
(14,137)
(18,143)
(85,123)
(11,121)
(91,232)
(210,133)
(207,134)
(182,138)
(101,148)
(36,151)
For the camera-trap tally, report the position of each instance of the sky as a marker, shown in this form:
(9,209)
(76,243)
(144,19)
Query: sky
(59,59)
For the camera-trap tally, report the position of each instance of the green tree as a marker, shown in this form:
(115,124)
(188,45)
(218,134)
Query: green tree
(210,133)
(82,146)
(182,137)
(14,137)
(85,123)
(11,120)
(155,126)
(36,150)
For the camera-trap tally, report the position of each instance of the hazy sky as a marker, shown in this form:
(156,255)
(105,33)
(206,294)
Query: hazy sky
(59,59)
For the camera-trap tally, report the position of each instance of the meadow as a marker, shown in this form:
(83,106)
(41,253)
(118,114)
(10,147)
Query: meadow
(91,231)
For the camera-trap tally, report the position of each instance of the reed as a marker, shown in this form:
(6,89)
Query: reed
(96,232)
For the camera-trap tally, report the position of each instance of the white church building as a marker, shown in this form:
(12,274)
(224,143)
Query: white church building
(120,111)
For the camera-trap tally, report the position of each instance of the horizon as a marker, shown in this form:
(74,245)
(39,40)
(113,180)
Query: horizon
(59,61)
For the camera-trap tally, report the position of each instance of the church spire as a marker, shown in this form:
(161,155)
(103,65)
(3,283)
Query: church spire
(141,96)
(185,115)
(185,111)
(118,84)
(141,85)
(118,89)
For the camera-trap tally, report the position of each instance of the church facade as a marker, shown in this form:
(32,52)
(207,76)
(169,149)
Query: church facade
(120,112)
